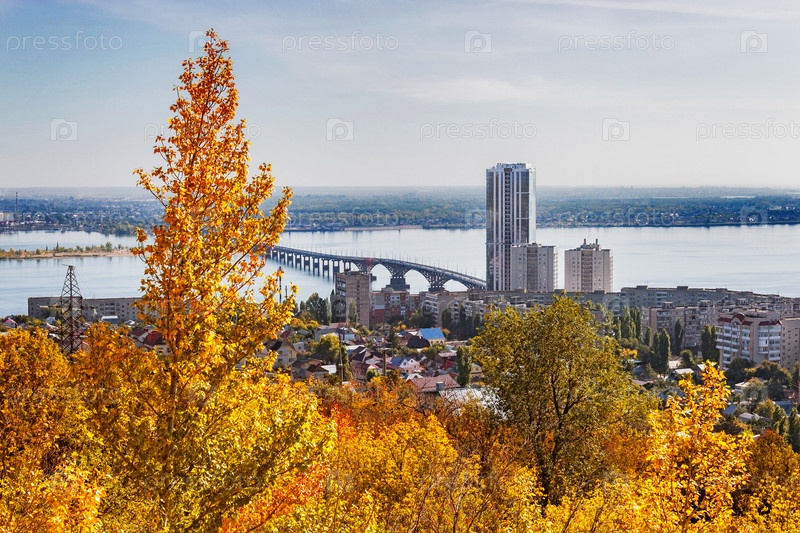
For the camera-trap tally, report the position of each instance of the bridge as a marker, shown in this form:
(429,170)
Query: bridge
(329,264)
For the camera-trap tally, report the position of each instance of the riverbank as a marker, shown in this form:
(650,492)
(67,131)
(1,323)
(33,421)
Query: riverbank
(70,252)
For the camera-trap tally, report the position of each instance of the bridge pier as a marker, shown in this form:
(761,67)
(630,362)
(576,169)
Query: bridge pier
(398,283)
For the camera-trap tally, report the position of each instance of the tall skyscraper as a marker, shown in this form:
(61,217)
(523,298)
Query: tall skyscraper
(510,218)
(534,267)
(588,268)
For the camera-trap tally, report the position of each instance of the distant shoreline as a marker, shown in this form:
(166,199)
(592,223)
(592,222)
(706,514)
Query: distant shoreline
(32,254)
(540,225)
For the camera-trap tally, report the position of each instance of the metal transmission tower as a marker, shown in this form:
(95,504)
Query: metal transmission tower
(71,304)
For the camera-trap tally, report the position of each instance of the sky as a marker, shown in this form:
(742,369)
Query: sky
(381,93)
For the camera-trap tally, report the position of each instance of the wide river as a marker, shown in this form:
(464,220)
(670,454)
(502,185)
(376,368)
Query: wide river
(759,258)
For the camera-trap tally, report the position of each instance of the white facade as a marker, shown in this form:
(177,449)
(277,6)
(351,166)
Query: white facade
(534,267)
(588,268)
(510,218)
(753,335)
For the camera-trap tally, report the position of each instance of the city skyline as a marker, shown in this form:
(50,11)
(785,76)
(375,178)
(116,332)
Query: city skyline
(598,93)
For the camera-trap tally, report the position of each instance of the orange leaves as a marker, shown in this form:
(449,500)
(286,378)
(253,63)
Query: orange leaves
(279,501)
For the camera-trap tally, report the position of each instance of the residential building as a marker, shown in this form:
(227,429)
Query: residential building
(693,319)
(391,303)
(790,342)
(285,352)
(533,267)
(353,288)
(510,218)
(588,268)
(93,309)
(751,334)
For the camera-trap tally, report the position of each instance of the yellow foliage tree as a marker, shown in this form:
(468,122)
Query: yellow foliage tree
(190,434)
(42,487)
(692,470)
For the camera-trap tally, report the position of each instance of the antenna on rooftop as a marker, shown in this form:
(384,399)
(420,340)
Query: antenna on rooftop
(71,304)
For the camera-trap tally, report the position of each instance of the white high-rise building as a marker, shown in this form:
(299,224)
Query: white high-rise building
(588,268)
(534,267)
(510,218)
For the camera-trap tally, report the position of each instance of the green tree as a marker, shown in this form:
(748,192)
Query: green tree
(677,338)
(318,308)
(778,378)
(647,334)
(447,319)
(661,351)
(708,344)
(687,359)
(626,327)
(562,385)
(329,349)
(794,430)
(477,324)
(464,363)
(636,317)
(737,371)
(344,361)
(352,314)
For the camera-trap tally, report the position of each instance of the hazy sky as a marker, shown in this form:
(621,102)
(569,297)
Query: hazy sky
(589,92)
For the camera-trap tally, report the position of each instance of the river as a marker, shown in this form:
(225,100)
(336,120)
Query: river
(760,258)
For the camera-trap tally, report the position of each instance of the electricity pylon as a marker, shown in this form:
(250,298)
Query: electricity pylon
(71,304)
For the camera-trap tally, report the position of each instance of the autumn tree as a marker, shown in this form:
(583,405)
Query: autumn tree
(198,429)
(562,385)
(692,470)
(44,484)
